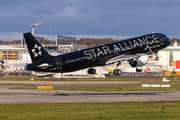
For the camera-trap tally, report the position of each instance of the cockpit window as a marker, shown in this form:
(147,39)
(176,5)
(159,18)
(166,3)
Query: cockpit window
(166,37)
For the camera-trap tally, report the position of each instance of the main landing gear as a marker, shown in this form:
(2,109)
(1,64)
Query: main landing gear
(91,71)
(117,71)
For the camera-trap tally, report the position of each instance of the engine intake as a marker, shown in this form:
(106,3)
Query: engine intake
(139,62)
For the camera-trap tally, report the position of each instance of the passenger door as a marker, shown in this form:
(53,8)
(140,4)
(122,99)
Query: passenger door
(58,63)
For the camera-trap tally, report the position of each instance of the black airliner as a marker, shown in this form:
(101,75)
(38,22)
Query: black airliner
(133,50)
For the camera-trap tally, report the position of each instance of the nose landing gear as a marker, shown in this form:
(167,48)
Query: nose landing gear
(157,58)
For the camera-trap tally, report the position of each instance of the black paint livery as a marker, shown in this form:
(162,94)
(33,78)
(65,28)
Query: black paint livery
(130,49)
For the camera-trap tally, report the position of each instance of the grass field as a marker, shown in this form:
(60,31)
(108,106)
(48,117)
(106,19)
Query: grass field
(162,110)
(116,88)
(121,88)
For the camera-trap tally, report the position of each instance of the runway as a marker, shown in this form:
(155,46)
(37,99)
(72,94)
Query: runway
(53,96)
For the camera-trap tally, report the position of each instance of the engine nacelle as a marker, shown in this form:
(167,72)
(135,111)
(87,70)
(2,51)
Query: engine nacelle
(139,62)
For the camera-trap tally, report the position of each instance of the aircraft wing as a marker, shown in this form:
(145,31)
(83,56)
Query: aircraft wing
(123,57)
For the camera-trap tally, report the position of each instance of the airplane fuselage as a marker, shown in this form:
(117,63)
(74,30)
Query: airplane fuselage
(99,55)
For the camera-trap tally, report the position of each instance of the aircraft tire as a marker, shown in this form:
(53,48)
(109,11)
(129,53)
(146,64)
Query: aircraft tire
(119,72)
(91,71)
(115,72)
(157,58)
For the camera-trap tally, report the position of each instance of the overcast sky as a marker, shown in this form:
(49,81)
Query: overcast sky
(89,18)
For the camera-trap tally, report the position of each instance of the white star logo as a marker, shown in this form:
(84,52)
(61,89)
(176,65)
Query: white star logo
(36,51)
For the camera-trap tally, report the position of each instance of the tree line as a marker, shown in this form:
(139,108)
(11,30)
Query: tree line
(88,42)
(175,39)
(18,42)
(13,42)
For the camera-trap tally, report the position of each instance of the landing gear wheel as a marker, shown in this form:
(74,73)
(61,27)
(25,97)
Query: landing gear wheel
(157,58)
(91,71)
(117,72)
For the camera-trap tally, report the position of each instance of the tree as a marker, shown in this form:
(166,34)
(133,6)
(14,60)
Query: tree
(175,39)
(1,42)
(90,42)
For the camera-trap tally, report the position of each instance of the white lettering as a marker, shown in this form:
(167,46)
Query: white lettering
(141,42)
(131,44)
(99,52)
(88,53)
(127,47)
(149,40)
(116,48)
(121,47)
(106,50)
(156,39)
(93,53)
(136,43)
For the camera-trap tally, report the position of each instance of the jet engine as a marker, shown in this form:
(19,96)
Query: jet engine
(139,62)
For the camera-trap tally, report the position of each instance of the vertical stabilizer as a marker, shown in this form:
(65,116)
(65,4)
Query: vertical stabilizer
(35,49)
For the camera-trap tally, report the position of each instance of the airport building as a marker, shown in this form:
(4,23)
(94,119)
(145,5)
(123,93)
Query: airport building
(169,57)
(64,40)
(13,57)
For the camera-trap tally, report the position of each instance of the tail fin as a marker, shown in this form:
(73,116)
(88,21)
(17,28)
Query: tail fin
(35,49)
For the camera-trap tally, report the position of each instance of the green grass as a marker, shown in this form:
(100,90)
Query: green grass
(121,88)
(116,88)
(159,79)
(161,110)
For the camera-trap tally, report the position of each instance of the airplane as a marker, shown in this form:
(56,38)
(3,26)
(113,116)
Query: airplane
(134,50)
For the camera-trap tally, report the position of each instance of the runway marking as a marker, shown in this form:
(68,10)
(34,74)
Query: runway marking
(149,85)
(173,93)
(45,87)
(45,82)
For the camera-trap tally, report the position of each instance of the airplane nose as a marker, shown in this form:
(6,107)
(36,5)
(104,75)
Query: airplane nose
(169,41)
